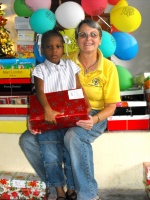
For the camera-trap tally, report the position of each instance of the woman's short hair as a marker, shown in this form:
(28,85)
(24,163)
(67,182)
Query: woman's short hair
(91,23)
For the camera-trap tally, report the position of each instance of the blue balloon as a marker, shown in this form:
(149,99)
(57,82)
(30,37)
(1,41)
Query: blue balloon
(108,44)
(42,20)
(39,58)
(126,46)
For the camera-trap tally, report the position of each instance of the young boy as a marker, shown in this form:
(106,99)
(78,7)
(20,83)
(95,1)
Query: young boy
(55,74)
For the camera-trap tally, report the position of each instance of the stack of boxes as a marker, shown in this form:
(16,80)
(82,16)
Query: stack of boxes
(132,112)
(26,38)
(15,81)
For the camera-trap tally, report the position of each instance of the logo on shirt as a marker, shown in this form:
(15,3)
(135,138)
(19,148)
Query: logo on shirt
(96,82)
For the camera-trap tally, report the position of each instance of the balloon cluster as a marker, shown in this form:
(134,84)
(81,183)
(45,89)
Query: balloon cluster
(124,19)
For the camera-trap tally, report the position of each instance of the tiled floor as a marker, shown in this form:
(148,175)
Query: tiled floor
(123,195)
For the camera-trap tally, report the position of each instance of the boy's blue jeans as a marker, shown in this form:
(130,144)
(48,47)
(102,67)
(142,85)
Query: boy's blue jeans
(54,154)
(78,143)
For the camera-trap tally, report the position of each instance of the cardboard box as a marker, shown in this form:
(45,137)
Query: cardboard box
(25,47)
(26,35)
(132,95)
(9,109)
(15,80)
(15,73)
(22,23)
(132,108)
(136,122)
(25,55)
(14,105)
(17,63)
(12,88)
(13,124)
(19,185)
(71,103)
(14,100)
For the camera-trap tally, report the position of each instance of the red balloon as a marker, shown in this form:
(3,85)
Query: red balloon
(113,2)
(114,29)
(94,7)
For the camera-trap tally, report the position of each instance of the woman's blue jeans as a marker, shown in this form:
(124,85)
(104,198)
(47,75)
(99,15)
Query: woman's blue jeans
(78,143)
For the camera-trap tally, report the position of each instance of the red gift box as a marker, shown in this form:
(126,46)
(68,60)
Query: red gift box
(14,105)
(69,102)
(136,122)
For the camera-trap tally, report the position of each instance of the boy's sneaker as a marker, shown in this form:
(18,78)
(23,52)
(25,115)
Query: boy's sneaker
(96,198)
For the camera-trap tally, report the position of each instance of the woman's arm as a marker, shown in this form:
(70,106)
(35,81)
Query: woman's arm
(107,111)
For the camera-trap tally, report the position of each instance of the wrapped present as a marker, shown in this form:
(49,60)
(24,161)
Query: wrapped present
(15,73)
(71,103)
(127,122)
(17,100)
(14,109)
(146,173)
(23,46)
(19,185)
(146,177)
(25,55)
(70,44)
(12,88)
(15,80)
(17,63)
(14,105)
(26,35)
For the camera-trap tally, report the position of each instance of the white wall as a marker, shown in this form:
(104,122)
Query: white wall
(118,158)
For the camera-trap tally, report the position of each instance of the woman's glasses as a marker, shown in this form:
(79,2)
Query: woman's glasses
(85,35)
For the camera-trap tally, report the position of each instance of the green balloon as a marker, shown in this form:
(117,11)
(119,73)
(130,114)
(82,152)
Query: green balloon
(125,78)
(21,9)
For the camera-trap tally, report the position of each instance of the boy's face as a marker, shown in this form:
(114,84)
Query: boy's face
(53,49)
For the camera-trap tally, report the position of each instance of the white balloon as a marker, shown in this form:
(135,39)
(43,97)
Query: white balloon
(69,14)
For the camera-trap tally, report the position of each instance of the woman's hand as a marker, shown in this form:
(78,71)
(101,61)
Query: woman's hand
(86,124)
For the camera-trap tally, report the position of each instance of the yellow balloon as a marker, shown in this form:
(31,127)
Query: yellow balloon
(126,19)
(70,41)
(120,4)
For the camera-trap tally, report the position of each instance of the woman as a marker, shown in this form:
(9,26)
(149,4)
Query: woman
(99,78)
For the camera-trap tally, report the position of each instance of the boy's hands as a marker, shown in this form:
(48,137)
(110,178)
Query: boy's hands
(50,116)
